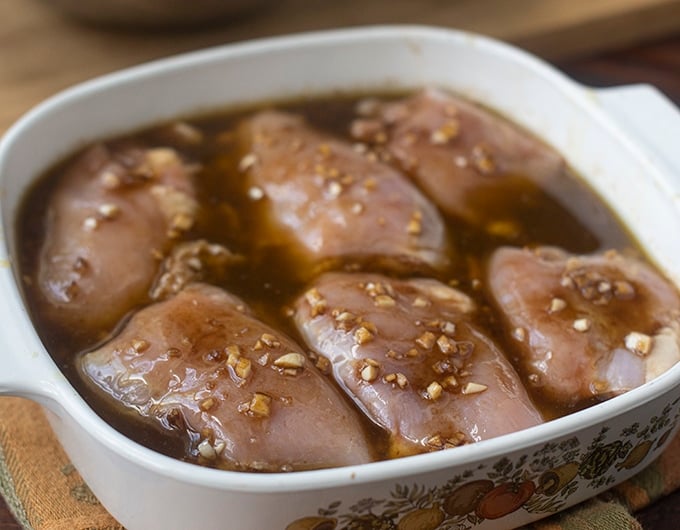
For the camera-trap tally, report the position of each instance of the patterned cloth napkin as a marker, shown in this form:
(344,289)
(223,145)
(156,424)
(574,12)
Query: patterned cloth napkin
(45,492)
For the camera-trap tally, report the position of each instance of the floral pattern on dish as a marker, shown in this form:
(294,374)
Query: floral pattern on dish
(540,483)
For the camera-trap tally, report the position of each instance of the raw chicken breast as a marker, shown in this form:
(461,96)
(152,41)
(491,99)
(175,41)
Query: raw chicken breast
(455,150)
(326,201)
(407,352)
(112,217)
(242,395)
(585,326)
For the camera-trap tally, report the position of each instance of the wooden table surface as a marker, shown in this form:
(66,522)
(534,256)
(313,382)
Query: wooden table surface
(657,63)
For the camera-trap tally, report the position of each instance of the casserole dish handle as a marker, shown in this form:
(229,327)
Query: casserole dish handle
(23,370)
(651,119)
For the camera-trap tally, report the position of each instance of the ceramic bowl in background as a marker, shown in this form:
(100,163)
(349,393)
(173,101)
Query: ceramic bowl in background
(154,13)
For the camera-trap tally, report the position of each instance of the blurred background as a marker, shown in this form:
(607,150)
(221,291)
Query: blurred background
(47,45)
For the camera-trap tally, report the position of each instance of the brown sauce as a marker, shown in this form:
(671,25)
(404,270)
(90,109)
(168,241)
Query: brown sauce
(574,219)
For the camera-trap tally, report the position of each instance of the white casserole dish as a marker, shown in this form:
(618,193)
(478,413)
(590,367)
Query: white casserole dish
(618,139)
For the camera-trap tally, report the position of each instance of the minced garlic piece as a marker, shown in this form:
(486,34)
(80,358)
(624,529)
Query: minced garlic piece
(233,353)
(345,320)
(370,184)
(370,326)
(398,378)
(324,149)
(334,189)
(460,161)
(638,343)
(108,210)
(448,328)
(290,360)
(473,388)
(434,390)
(367,107)
(446,346)
(446,132)
(384,300)
(357,208)
(483,160)
(110,180)
(247,162)
(369,373)
(255,193)
(581,324)
(260,405)
(624,290)
(160,158)
(363,335)
(604,286)
(435,441)
(567,281)
(220,446)
(433,324)
(450,381)
(426,340)
(317,302)
(269,340)
(187,132)
(519,334)
(415,225)
(419,301)
(206,450)
(182,221)
(345,316)
(557,305)
(208,404)
(323,364)
(242,367)
(90,224)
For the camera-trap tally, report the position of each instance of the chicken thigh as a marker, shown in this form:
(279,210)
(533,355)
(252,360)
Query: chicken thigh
(326,201)
(408,353)
(111,219)
(242,395)
(585,327)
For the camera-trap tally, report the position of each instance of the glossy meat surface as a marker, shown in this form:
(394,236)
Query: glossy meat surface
(241,394)
(585,326)
(457,151)
(112,217)
(410,356)
(327,201)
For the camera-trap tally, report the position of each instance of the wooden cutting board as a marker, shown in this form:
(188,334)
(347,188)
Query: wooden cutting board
(42,52)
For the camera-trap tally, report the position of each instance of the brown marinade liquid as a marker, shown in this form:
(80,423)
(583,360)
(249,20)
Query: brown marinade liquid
(575,219)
